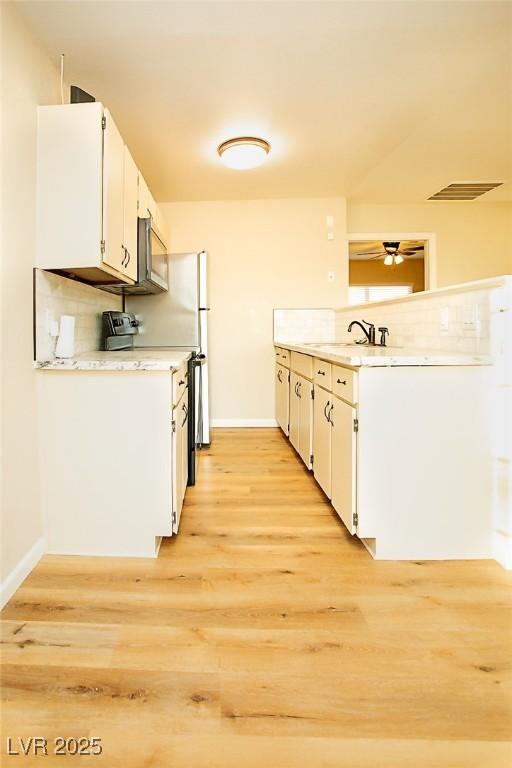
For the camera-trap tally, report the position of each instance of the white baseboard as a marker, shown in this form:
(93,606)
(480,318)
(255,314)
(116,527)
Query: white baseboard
(244,423)
(502,549)
(20,572)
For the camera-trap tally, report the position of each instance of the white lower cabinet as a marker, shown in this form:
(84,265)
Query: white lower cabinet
(301,416)
(282,390)
(343,418)
(306,421)
(322,439)
(395,452)
(295,410)
(179,457)
(110,485)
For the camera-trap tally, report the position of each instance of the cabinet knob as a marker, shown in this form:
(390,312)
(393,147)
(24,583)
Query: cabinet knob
(339,381)
(321,373)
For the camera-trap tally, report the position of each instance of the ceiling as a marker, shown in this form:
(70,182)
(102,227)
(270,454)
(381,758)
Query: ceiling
(359,250)
(379,101)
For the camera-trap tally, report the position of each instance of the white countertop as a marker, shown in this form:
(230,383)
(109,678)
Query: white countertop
(139,359)
(358,355)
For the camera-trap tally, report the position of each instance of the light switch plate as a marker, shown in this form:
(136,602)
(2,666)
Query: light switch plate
(331,277)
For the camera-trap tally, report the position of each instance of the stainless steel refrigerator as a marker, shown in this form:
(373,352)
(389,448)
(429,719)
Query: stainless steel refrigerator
(179,318)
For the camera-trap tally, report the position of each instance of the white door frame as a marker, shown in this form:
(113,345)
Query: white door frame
(430,249)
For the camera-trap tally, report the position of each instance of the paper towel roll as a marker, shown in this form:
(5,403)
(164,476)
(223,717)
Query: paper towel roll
(66,341)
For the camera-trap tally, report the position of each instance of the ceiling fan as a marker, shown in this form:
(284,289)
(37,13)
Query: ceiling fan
(392,252)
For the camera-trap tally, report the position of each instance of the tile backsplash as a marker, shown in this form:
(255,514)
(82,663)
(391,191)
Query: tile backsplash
(304,325)
(56,296)
(458,322)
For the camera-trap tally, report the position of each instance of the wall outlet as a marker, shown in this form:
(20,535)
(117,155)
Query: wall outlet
(330,235)
(331,277)
(52,325)
(54,329)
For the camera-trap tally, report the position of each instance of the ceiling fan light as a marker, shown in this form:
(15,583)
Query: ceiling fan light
(388,261)
(243,153)
(398,259)
(391,248)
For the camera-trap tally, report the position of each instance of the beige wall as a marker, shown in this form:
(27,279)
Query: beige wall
(28,79)
(262,254)
(474,240)
(375,272)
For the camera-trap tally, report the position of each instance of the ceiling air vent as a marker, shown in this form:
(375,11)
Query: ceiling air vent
(465,190)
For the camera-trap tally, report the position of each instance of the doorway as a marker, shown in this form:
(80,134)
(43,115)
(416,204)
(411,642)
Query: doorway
(389,265)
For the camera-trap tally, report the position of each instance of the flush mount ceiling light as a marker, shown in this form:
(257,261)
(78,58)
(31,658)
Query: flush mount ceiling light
(244,152)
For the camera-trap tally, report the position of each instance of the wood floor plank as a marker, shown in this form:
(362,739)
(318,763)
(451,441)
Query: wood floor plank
(263,635)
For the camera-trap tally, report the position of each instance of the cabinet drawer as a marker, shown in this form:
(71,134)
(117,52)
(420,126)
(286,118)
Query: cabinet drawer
(322,373)
(283,356)
(179,383)
(302,364)
(344,383)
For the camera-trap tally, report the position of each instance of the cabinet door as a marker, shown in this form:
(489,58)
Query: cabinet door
(322,439)
(147,205)
(180,458)
(113,194)
(177,476)
(130,197)
(294,410)
(343,462)
(144,202)
(305,420)
(184,446)
(282,398)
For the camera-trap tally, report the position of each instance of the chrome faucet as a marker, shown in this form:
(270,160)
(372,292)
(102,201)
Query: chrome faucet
(370,333)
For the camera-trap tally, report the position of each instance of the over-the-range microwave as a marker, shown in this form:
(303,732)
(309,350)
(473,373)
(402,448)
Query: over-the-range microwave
(152,262)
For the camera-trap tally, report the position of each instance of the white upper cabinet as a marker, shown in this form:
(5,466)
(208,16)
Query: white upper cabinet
(89,194)
(146,203)
(131,191)
(113,195)
(148,207)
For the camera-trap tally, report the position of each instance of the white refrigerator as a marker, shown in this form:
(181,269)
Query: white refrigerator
(179,318)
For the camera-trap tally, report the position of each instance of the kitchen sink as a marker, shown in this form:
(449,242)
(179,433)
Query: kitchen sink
(344,345)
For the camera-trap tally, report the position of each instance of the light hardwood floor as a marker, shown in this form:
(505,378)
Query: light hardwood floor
(264,636)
